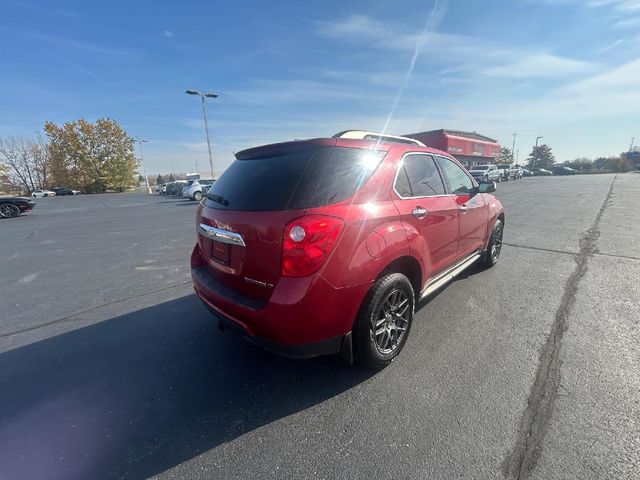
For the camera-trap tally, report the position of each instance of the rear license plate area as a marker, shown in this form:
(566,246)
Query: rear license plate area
(221,252)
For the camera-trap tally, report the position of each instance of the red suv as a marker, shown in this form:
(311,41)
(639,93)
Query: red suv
(324,246)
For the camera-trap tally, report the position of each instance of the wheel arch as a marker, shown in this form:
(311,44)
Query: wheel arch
(408,266)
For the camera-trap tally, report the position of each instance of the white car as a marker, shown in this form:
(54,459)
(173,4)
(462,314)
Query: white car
(196,189)
(43,193)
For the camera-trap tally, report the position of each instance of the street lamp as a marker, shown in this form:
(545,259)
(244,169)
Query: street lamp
(513,147)
(535,155)
(146,177)
(204,114)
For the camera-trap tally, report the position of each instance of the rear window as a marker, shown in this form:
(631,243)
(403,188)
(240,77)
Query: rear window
(480,167)
(309,178)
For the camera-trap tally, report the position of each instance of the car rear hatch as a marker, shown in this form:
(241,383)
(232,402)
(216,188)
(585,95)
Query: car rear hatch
(241,223)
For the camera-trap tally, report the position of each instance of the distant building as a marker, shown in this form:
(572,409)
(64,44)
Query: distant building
(470,148)
(634,157)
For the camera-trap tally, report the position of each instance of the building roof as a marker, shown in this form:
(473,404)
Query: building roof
(455,133)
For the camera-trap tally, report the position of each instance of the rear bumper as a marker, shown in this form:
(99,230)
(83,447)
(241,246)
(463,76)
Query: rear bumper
(304,317)
(330,346)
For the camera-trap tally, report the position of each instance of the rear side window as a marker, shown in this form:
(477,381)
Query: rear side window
(418,177)
(304,179)
(459,181)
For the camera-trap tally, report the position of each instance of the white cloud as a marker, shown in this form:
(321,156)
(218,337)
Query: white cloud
(611,46)
(625,12)
(471,54)
(539,65)
(168,33)
(200,147)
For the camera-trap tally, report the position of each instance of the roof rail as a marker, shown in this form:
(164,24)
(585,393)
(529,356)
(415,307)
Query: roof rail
(364,135)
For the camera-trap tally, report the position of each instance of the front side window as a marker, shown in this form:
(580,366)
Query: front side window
(419,177)
(459,181)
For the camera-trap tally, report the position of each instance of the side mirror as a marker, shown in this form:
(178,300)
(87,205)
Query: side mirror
(487,187)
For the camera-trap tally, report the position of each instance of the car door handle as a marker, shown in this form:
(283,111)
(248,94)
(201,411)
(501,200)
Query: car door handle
(463,209)
(419,212)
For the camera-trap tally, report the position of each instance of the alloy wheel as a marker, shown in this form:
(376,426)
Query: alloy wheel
(497,243)
(391,321)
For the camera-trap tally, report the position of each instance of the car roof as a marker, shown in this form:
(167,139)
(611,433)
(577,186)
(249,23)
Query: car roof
(297,145)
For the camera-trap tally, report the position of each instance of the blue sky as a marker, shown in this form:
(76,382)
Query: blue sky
(565,69)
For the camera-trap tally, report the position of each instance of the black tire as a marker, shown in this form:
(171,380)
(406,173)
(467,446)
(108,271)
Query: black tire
(494,247)
(388,309)
(197,196)
(9,210)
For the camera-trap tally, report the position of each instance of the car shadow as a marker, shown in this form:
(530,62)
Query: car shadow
(469,272)
(135,395)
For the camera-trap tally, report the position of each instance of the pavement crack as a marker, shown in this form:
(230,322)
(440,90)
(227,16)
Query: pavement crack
(540,404)
(567,252)
(91,309)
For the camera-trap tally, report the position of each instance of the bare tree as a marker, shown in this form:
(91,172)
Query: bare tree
(25,162)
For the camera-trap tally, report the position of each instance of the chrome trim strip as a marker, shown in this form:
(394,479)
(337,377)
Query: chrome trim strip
(448,275)
(223,236)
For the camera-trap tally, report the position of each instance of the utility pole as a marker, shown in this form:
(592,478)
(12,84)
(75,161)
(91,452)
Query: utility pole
(633,139)
(206,125)
(513,147)
(144,170)
(535,153)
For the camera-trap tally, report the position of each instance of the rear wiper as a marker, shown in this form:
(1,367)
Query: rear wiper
(217,198)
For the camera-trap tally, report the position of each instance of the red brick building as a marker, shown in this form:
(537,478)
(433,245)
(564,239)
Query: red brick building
(470,148)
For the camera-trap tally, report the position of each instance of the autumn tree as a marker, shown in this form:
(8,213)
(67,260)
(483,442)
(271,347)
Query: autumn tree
(506,155)
(541,157)
(92,157)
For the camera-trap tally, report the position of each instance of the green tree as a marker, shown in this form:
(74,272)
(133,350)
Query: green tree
(583,165)
(159,180)
(541,157)
(506,155)
(91,156)
(171,178)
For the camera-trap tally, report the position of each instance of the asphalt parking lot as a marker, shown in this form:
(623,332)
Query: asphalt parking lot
(111,368)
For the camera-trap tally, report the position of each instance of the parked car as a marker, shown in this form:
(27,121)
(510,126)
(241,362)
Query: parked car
(562,170)
(43,193)
(196,189)
(527,173)
(179,185)
(509,172)
(487,173)
(325,263)
(542,172)
(15,206)
(61,191)
(517,171)
(173,187)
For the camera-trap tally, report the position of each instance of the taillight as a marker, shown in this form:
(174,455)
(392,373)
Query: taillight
(308,241)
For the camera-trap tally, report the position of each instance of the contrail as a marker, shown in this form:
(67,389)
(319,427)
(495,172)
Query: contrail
(434,18)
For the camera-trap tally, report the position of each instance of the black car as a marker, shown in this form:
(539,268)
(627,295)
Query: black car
(14,206)
(564,171)
(64,191)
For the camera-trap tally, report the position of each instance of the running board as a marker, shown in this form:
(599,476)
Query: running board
(448,275)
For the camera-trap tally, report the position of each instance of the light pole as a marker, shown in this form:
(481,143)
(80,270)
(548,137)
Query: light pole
(204,114)
(535,154)
(513,147)
(144,170)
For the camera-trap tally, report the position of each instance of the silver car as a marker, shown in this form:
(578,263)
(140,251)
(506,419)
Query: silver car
(196,189)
